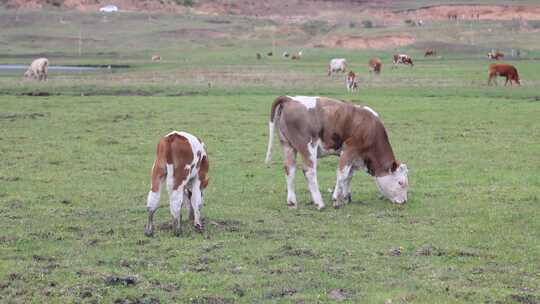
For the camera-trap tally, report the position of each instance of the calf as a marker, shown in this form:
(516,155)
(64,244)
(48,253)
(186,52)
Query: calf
(352,83)
(337,65)
(495,55)
(156,58)
(181,160)
(430,52)
(402,59)
(318,126)
(505,70)
(38,69)
(375,65)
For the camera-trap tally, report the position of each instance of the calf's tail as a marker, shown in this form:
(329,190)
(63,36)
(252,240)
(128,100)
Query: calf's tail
(275,113)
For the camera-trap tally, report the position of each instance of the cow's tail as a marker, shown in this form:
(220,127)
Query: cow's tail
(275,113)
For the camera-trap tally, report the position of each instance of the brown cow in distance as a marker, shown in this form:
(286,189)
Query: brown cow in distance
(375,65)
(430,52)
(505,70)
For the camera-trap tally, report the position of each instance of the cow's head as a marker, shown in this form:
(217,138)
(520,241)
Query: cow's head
(28,73)
(394,186)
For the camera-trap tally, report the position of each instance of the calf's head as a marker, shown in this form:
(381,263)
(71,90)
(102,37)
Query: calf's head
(394,186)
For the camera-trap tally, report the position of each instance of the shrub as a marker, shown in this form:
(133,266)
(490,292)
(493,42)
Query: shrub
(313,27)
(410,22)
(367,23)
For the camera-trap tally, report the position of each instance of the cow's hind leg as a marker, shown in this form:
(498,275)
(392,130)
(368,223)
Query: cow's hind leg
(310,171)
(196,203)
(289,164)
(176,193)
(152,202)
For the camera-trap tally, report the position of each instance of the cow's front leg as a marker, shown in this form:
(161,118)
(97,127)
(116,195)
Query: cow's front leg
(310,171)
(342,189)
(196,204)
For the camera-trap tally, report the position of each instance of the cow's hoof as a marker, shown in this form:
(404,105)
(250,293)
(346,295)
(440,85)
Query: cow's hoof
(148,231)
(199,227)
(320,207)
(337,205)
(176,227)
(292,205)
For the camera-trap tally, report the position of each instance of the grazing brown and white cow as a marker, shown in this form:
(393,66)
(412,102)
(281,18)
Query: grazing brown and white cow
(430,52)
(495,55)
(505,70)
(375,65)
(352,83)
(318,126)
(156,58)
(402,59)
(181,160)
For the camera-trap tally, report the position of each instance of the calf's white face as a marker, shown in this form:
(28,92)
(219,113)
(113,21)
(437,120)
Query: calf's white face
(394,186)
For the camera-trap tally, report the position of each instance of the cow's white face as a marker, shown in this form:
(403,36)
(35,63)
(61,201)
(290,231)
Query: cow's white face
(394,186)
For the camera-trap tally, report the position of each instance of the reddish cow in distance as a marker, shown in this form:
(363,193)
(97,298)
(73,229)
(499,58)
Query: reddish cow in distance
(504,70)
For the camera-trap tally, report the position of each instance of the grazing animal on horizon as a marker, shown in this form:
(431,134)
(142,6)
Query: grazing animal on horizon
(181,161)
(352,83)
(38,69)
(430,52)
(319,126)
(297,56)
(402,59)
(286,55)
(269,53)
(156,58)
(504,70)
(337,65)
(375,65)
(495,55)
(258,55)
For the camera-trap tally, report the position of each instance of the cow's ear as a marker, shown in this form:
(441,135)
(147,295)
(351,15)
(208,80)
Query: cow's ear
(395,165)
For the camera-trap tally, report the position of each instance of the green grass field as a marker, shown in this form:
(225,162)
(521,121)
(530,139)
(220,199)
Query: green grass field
(75,171)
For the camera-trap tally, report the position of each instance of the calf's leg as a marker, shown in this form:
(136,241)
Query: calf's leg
(196,203)
(152,202)
(289,164)
(310,171)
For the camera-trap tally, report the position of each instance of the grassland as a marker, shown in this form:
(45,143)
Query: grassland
(74,170)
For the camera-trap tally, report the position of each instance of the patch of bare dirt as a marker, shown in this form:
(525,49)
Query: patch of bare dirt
(194,32)
(481,12)
(357,42)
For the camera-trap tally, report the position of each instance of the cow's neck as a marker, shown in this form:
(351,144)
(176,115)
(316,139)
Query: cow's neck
(379,160)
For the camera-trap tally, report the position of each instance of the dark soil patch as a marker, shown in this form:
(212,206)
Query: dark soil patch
(527,298)
(15,116)
(116,280)
(339,294)
(284,292)
(429,250)
(5,239)
(304,252)
(238,290)
(39,258)
(9,178)
(145,299)
(227,225)
(37,94)
(121,117)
